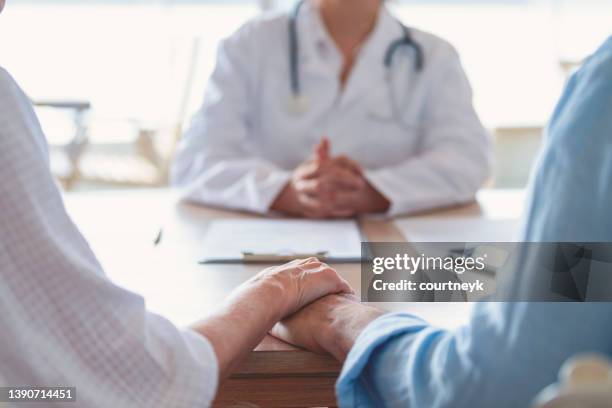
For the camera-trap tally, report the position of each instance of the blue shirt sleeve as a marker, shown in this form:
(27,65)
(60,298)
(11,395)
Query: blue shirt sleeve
(503,358)
(351,388)
(509,351)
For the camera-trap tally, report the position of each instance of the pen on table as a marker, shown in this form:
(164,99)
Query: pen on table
(158,237)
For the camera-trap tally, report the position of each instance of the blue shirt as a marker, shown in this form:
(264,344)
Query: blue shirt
(509,351)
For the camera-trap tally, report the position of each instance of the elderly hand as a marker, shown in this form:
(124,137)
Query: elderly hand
(298,283)
(255,306)
(326,187)
(329,325)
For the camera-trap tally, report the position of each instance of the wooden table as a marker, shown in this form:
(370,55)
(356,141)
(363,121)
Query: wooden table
(122,226)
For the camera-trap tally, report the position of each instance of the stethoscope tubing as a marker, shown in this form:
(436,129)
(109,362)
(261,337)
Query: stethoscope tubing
(406,40)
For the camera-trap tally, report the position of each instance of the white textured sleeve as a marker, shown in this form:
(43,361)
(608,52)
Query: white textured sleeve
(63,322)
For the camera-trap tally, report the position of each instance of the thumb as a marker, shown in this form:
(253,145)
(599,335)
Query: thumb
(322,149)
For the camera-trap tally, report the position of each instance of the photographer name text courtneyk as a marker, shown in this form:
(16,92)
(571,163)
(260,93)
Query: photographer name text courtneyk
(407,285)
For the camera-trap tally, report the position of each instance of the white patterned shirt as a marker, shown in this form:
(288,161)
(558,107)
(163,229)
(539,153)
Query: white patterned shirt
(62,322)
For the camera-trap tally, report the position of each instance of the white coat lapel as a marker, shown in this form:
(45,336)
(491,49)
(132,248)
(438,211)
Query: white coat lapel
(369,71)
(315,59)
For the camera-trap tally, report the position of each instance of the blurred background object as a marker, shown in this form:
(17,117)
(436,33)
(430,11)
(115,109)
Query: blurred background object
(115,81)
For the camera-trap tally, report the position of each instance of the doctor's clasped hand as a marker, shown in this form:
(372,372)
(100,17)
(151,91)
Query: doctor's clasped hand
(329,187)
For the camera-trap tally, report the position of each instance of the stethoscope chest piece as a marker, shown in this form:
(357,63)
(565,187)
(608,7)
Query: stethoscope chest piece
(298,105)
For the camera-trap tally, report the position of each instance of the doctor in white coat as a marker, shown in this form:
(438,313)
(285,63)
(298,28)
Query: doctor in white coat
(333,110)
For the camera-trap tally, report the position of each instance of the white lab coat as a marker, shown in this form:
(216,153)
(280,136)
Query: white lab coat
(243,144)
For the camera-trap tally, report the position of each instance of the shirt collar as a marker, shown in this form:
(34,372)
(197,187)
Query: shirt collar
(369,65)
(317,44)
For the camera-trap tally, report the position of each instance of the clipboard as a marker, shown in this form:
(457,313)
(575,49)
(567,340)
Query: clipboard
(279,241)
(253,258)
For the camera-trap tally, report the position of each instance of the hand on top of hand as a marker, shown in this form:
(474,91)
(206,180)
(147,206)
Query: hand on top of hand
(329,187)
(300,282)
(328,325)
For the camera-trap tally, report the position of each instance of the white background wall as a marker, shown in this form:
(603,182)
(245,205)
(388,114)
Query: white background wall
(129,58)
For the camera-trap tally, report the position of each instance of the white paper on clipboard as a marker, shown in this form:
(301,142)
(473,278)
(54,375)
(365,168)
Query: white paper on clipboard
(231,238)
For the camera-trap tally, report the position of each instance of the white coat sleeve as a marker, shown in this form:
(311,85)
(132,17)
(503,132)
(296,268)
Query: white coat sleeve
(454,160)
(214,162)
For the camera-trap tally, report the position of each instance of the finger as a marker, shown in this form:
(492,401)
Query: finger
(282,332)
(315,169)
(339,284)
(322,149)
(310,187)
(348,163)
(351,296)
(316,187)
(285,331)
(312,263)
(343,287)
(310,199)
(295,330)
(318,265)
(317,283)
(302,264)
(313,208)
(341,177)
(308,170)
(320,208)
(346,199)
(330,280)
(303,261)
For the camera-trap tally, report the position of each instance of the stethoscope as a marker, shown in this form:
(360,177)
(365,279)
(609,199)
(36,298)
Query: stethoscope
(300,104)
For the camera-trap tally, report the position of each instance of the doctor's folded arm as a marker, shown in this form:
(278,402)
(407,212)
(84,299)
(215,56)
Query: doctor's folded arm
(334,109)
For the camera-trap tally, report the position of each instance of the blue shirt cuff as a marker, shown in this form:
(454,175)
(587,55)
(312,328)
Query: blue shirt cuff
(376,334)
